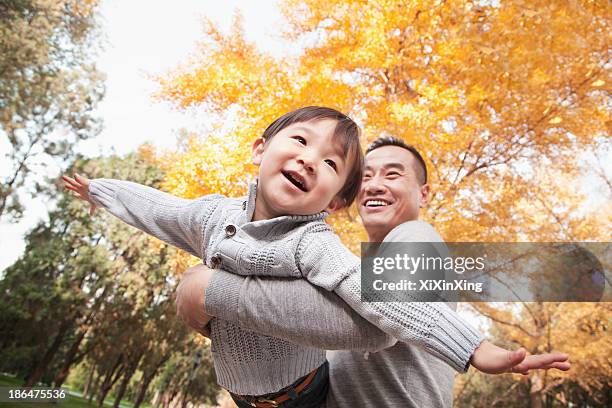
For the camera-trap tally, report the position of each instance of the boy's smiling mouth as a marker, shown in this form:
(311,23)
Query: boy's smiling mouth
(296,179)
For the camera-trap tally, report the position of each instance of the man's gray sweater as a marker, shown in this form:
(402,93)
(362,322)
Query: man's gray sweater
(219,230)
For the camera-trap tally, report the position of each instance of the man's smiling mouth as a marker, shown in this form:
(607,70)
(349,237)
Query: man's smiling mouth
(376,203)
(296,179)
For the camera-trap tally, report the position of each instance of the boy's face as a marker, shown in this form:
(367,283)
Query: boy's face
(301,171)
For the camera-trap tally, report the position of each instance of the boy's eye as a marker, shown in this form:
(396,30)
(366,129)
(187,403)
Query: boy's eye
(300,139)
(332,164)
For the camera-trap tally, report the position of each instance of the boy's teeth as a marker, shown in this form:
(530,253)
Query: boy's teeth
(375,203)
(295,181)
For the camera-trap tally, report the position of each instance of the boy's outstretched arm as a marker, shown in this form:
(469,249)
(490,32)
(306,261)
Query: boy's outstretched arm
(432,325)
(176,221)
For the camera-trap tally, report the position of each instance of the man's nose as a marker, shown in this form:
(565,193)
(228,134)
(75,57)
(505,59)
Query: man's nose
(373,186)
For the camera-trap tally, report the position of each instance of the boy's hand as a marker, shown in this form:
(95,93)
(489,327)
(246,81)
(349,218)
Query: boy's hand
(80,185)
(492,359)
(190,298)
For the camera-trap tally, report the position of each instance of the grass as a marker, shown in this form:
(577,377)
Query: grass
(73,401)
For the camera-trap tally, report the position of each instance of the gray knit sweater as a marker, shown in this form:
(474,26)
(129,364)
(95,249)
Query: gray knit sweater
(401,375)
(219,230)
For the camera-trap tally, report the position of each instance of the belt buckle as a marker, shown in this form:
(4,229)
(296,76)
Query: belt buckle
(268,401)
(251,403)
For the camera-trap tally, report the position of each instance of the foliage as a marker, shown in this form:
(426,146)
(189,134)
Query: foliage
(96,292)
(49,87)
(579,329)
(496,98)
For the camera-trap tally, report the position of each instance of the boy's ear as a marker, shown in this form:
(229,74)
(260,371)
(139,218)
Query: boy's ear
(257,151)
(336,204)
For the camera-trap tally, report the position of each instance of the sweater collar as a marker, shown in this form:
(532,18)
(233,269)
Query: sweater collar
(250,209)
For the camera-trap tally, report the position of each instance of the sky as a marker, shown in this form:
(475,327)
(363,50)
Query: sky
(140,39)
(146,38)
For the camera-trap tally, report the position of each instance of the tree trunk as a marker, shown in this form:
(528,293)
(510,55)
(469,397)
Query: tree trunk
(159,396)
(105,389)
(73,355)
(110,380)
(89,381)
(129,373)
(173,394)
(184,400)
(142,391)
(535,390)
(44,362)
(70,359)
(146,380)
(122,387)
(94,389)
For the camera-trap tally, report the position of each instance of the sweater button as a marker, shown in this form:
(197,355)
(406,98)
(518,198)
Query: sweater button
(215,261)
(230,230)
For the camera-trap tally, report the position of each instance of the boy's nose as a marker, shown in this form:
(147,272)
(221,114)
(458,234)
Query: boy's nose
(307,162)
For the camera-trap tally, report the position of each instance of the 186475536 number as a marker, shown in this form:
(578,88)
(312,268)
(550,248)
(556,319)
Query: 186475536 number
(8,394)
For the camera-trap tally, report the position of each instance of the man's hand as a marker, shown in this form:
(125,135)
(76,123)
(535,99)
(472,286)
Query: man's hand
(80,186)
(190,296)
(491,359)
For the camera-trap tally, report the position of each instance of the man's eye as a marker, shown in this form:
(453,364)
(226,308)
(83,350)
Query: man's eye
(300,139)
(392,174)
(332,164)
(367,176)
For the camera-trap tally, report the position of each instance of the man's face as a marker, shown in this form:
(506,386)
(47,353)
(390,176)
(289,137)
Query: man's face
(390,193)
(301,170)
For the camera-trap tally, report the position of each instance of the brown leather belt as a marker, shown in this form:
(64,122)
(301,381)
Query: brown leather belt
(261,402)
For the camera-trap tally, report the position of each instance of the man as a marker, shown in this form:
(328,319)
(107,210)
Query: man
(394,189)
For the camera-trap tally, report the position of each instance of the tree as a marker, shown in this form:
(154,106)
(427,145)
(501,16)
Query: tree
(53,295)
(504,99)
(49,87)
(188,376)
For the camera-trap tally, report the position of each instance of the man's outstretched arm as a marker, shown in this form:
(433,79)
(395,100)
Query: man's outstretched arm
(291,309)
(304,314)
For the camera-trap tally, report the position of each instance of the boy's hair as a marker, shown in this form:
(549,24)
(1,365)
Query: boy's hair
(347,134)
(421,170)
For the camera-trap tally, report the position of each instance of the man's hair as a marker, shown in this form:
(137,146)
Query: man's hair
(346,134)
(420,170)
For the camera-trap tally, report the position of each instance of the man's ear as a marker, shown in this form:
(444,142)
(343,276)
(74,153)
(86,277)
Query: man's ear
(424,198)
(336,204)
(257,150)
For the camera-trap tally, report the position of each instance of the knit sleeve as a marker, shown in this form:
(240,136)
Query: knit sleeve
(325,262)
(176,221)
(293,310)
